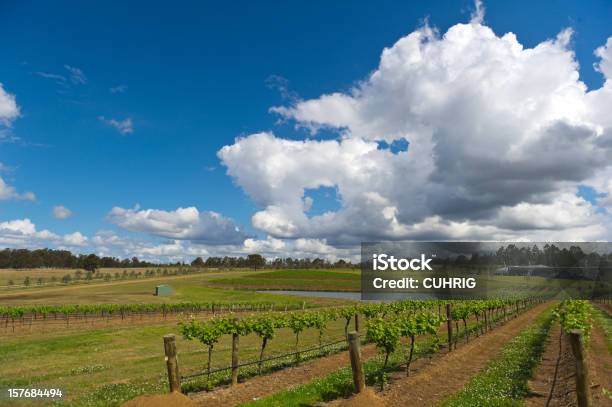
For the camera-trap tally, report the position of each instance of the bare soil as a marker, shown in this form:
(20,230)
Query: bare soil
(446,375)
(166,400)
(553,383)
(367,398)
(266,385)
(600,368)
(456,367)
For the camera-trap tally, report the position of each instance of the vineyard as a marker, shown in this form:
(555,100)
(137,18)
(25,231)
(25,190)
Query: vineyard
(240,345)
(393,328)
(49,316)
(575,314)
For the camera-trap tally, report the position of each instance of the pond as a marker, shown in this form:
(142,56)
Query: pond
(347,295)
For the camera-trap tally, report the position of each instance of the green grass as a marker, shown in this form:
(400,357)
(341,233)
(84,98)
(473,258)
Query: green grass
(339,383)
(104,367)
(504,380)
(194,287)
(320,280)
(604,320)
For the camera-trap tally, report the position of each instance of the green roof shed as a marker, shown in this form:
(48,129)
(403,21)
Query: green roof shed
(163,290)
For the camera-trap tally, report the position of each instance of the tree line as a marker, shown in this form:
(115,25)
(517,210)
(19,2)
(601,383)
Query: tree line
(24,258)
(40,258)
(256,261)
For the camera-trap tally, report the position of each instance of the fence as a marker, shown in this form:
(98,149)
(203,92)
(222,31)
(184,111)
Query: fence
(29,321)
(229,374)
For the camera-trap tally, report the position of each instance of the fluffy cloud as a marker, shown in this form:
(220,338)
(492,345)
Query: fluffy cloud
(75,239)
(9,192)
(124,126)
(61,212)
(9,110)
(23,233)
(605,55)
(498,143)
(181,224)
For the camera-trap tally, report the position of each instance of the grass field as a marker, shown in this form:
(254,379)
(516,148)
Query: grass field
(105,366)
(314,280)
(101,366)
(193,287)
(18,275)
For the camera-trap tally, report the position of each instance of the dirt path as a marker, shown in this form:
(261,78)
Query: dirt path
(446,375)
(461,364)
(266,385)
(553,382)
(600,365)
(263,386)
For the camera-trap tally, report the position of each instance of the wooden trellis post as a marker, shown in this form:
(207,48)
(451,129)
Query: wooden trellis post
(174,379)
(356,365)
(583,391)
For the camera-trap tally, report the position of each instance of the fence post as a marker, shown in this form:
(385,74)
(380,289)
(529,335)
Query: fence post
(303,305)
(356,322)
(356,366)
(449,326)
(582,375)
(235,342)
(174,379)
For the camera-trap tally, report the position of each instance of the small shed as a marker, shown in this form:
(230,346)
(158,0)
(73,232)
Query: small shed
(163,290)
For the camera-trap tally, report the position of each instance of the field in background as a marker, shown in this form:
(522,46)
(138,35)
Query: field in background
(190,287)
(312,280)
(101,365)
(17,276)
(98,366)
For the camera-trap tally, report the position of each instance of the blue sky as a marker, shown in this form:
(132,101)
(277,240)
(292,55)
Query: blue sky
(190,79)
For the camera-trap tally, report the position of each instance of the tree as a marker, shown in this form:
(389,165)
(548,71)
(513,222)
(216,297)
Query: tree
(255,260)
(198,262)
(91,262)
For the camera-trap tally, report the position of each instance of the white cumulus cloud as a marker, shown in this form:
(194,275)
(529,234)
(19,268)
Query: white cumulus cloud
(180,224)
(75,239)
(9,110)
(9,192)
(61,212)
(499,138)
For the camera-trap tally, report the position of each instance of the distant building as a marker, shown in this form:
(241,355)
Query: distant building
(163,290)
(533,270)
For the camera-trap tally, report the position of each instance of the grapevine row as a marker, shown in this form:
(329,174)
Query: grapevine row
(386,324)
(43,311)
(575,314)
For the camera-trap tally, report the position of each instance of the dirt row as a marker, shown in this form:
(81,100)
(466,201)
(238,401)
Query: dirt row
(553,381)
(457,367)
(441,377)
(554,385)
